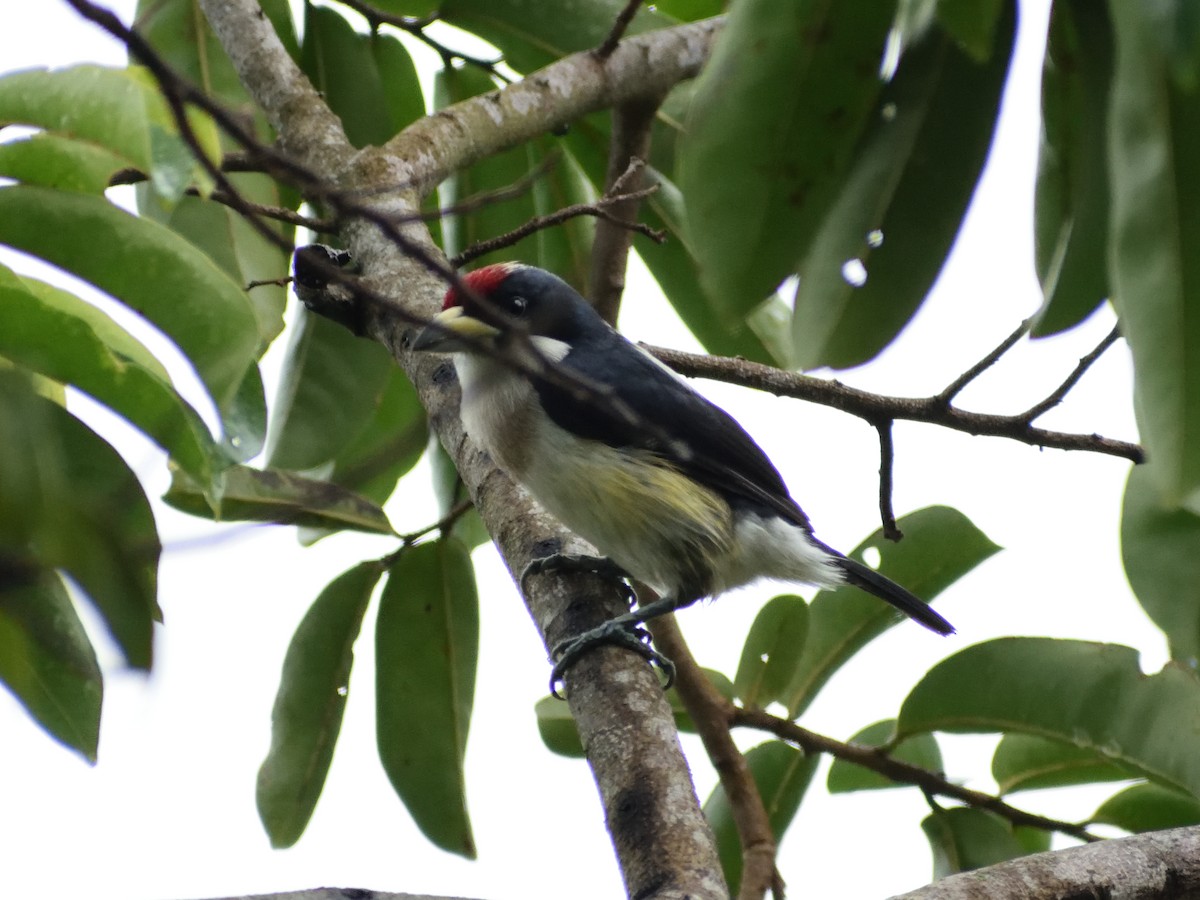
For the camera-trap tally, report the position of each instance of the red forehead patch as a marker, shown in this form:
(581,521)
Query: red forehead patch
(481,281)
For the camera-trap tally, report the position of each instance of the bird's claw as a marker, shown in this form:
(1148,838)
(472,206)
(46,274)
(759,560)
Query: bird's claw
(571,562)
(630,635)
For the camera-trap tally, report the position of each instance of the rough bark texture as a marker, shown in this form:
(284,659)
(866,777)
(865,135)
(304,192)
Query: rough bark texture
(662,840)
(1161,865)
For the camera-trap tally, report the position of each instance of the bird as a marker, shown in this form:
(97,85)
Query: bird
(667,486)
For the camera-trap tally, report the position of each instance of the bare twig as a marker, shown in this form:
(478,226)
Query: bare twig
(629,146)
(887,452)
(416,27)
(876,407)
(1056,396)
(598,209)
(711,714)
(876,760)
(954,388)
(624,17)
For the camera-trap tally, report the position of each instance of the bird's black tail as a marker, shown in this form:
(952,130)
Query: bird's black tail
(862,576)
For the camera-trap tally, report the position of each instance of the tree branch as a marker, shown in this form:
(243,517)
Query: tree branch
(876,760)
(877,407)
(1160,865)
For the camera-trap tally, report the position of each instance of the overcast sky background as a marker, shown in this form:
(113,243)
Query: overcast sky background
(168,812)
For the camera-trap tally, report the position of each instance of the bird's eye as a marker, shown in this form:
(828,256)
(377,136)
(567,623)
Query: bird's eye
(518,305)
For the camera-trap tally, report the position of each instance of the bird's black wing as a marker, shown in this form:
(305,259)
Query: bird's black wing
(686,429)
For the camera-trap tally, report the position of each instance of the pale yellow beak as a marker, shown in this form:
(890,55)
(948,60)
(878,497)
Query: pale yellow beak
(446,332)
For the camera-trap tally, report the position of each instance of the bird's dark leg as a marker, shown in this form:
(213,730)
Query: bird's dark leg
(623,631)
(570,562)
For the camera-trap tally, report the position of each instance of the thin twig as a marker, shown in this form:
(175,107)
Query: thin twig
(416,27)
(887,452)
(1085,363)
(901,772)
(538,223)
(624,17)
(954,388)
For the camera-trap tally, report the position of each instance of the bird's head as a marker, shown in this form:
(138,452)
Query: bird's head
(503,298)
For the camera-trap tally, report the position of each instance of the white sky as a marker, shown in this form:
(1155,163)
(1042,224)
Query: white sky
(168,812)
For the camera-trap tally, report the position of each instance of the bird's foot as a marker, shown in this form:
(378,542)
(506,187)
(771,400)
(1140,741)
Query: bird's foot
(570,562)
(619,632)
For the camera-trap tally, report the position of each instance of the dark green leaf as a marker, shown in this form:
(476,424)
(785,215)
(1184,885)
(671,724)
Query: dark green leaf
(68,501)
(557,727)
(940,546)
(1092,696)
(886,237)
(1160,546)
(418,8)
(60,336)
(254,495)
(150,269)
(777,113)
(920,750)
(1071,204)
(1155,171)
(344,66)
(328,393)
(1149,807)
(534,33)
(46,659)
(307,716)
(672,263)
(972,23)
(1032,840)
(782,775)
(1024,762)
(426,646)
(401,84)
(963,839)
(772,651)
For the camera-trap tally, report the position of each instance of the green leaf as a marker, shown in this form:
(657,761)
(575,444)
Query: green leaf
(46,659)
(235,246)
(348,69)
(883,242)
(1160,546)
(972,24)
(963,839)
(672,264)
(1154,157)
(255,495)
(534,33)
(493,217)
(940,546)
(60,336)
(328,393)
(93,104)
(418,8)
(557,727)
(1071,204)
(68,501)
(762,165)
(920,750)
(1148,807)
(1024,762)
(307,716)
(59,162)
(426,646)
(772,651)
(782,774)
(1092,696)
(149,268)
